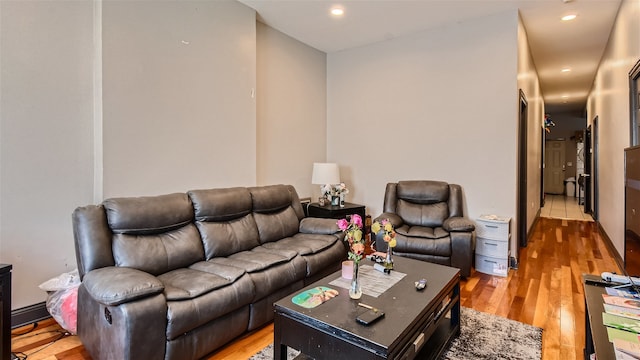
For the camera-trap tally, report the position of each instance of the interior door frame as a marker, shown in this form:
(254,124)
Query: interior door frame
(594,172)
(522,169)
(634,104)
(588,152)
(543,139)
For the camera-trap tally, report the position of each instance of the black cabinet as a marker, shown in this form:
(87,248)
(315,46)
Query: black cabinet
(335,211)
(5,312)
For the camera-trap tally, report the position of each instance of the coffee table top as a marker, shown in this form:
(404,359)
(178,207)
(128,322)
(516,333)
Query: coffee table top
(404,307)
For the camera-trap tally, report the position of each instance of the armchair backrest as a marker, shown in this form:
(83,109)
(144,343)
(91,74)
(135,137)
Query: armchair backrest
(423,202)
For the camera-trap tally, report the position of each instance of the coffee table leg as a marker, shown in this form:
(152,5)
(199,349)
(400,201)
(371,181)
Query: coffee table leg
(279,349)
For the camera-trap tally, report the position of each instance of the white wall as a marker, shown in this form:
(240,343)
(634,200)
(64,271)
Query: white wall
(179,110)
(529,84)
(46,137)
(291,110)
(177,113)
(609,101)
(440,104)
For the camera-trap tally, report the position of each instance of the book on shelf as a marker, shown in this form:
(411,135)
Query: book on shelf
(617,334)
(624,349)
(622,311)
(626,292)
(621,322)
(621,301)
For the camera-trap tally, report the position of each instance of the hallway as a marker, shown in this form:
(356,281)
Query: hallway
(563,207)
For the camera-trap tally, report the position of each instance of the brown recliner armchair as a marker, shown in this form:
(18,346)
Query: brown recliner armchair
(429,223)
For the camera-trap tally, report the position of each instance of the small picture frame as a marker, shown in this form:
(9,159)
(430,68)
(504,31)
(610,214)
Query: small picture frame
(322,201)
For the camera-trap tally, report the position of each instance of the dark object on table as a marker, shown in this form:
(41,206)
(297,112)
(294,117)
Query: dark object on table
(370,316)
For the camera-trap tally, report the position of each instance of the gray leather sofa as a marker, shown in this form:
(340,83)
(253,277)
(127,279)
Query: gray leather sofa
(177,276)
(429,223)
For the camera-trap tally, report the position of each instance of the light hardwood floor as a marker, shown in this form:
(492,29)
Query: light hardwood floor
(546,291)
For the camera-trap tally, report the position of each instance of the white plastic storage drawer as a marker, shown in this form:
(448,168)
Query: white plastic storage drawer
(492,248)
(493,229)
(492,266)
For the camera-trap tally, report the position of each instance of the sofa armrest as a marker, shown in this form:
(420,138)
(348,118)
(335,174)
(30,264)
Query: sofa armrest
(117,285)
(312,225)
(394,218)
(458,224)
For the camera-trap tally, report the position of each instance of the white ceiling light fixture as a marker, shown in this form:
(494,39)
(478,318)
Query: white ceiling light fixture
(337,11)
(566,70)
(569,17)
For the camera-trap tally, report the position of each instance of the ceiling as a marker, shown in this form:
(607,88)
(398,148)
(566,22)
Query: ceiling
(555,44)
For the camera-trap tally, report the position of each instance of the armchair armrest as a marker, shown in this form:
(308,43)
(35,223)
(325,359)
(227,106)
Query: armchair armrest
(117,285)
(458,224)
(312,225)
(395,220)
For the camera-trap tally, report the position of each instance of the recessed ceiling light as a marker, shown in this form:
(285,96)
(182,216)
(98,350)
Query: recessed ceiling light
(337,11)
(566,70)
(568,17)
(565,96)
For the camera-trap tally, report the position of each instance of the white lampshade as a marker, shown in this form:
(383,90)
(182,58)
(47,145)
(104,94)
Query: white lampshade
(325,173)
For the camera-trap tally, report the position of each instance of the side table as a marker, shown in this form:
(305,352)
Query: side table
(5,314)
(335,211)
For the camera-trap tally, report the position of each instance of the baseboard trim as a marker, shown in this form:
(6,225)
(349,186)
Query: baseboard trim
(612,249)
(29,315)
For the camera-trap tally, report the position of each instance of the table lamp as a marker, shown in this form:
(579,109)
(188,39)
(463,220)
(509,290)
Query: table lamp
(325,174)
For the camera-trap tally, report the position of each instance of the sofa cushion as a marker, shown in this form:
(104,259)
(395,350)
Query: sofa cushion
(252,261)
(273,212)
(221,204)
(148,215)
(189,314)
(231,273)
(422,231)
(423,191)
(303,244)
(421,245)
(430,215)
(276,225)
(228,237)
(114,286)
(182,284)
(160,253)
(268,199)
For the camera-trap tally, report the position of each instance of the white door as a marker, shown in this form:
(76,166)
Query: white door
(554,167)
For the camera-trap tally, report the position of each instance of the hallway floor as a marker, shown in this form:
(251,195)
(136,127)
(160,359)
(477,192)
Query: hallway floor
(563,207)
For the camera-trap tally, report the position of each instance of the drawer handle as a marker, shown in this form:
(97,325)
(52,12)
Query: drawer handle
(417,344)
(492,244)
(492,226)
(489,261)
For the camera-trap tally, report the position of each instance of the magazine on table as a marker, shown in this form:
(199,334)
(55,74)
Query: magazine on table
(621,322)
(620,301)
(626,292)
(622,311)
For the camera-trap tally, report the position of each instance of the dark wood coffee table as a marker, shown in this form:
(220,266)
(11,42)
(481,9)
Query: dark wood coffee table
(416,324)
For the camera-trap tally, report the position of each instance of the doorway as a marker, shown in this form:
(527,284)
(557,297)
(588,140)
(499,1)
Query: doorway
(554,167)
(522,171)
(586,181)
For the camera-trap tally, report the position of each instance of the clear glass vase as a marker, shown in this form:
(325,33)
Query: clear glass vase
(388,261)
(355,291)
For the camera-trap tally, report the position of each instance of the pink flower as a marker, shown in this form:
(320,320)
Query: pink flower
(357,220)
(343,224)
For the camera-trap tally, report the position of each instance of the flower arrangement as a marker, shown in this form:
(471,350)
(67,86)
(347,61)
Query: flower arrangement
(389,233)
(353,234)
(329,190)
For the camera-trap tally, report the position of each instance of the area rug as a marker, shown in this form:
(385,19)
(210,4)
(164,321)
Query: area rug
(482,336)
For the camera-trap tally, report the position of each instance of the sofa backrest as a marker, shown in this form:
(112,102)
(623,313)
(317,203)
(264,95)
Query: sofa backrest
(277,211)
(423,202)
(224,220)
(157,234)
(154,234)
